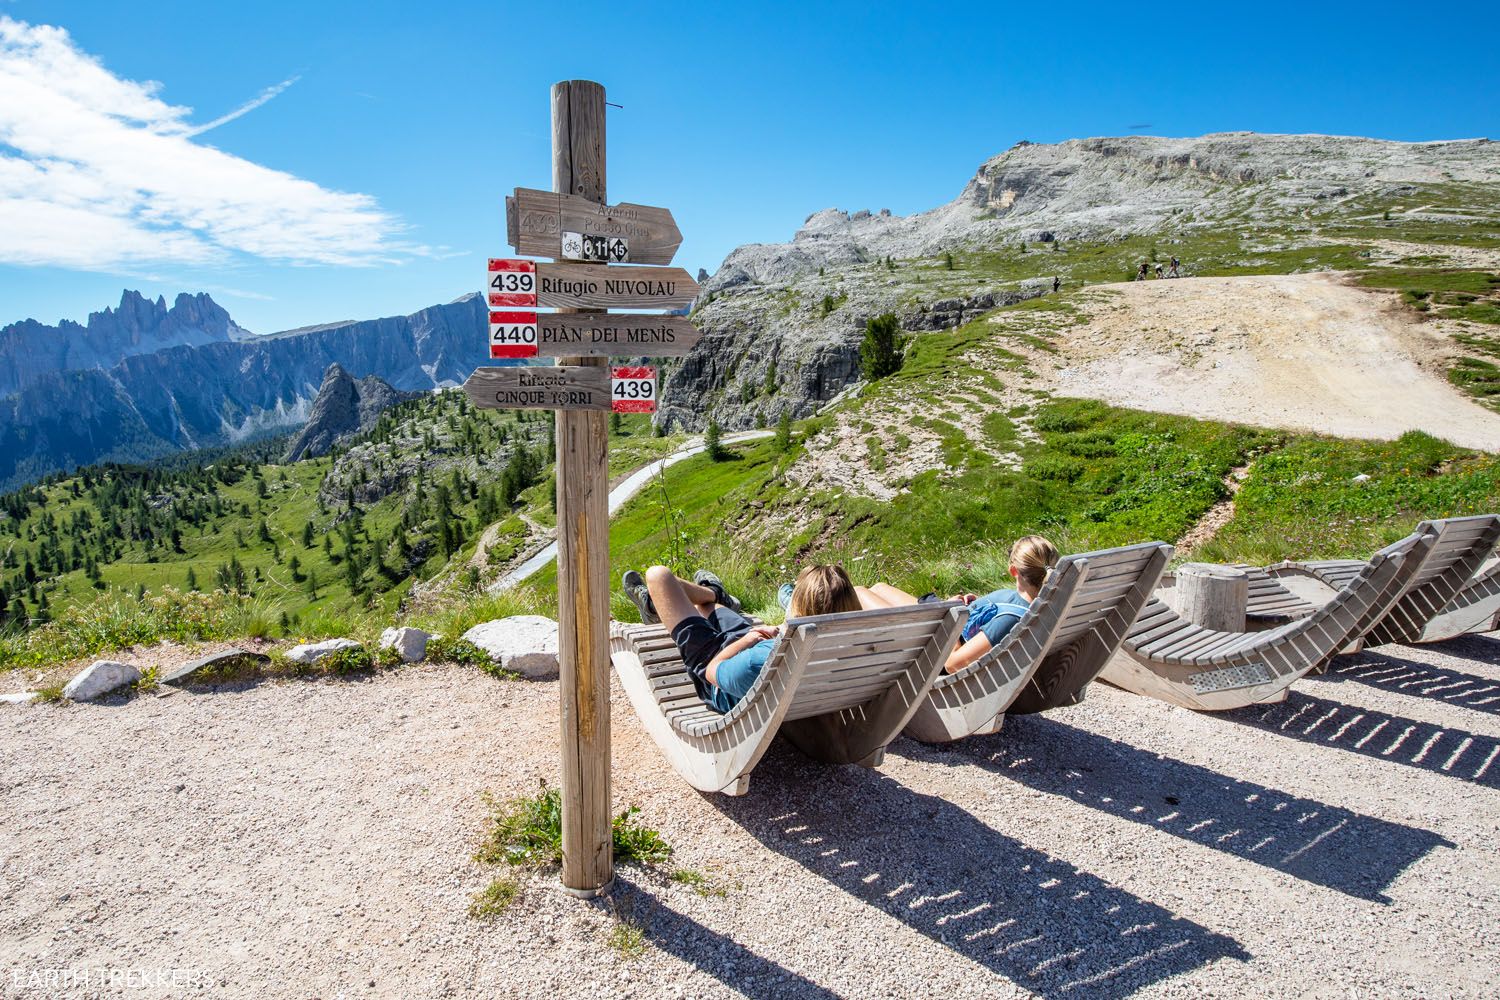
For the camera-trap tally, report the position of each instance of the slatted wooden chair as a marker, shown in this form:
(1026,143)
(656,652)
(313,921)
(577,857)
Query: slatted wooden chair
(1462,546)
(1067,635)
(1475,609)
(1270,602)
(1165,656)
(839,687)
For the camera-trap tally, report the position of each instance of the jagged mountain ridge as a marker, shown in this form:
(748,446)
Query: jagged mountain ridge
(344,406)
(1103,188)
(30,349)
(201,395)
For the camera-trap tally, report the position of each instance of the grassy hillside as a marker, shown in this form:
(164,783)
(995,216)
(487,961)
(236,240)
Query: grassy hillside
(306,548)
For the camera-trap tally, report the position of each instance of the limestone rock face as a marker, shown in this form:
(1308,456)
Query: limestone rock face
(344,406)
(100,678)
(312,652)
(782,322)
(526,644)
(409,643)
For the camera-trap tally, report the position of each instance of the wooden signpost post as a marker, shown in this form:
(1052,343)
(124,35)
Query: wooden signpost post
(592,240)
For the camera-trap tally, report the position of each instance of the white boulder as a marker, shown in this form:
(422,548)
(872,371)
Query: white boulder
(99,678)
(526,644)
(409,643)
(312,652)
(18,698)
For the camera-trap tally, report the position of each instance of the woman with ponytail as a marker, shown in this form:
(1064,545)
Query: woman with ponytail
(992,616)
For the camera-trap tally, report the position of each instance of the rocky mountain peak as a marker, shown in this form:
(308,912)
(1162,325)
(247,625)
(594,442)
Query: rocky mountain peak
(344,406)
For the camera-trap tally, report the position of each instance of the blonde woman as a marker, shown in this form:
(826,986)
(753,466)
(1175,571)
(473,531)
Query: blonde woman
(992,616)
(723,651)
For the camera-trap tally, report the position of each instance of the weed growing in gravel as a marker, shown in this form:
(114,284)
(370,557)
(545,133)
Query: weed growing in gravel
(700,883)
(149,681)
(627,938)
(52,694)
(495,898)
(527,833)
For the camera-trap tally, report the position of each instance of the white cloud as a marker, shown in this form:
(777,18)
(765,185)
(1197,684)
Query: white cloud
(97,172)
(247,107)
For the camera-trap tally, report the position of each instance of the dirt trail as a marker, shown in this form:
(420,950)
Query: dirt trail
(1303,351)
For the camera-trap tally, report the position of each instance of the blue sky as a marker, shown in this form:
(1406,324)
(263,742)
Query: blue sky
(369,181)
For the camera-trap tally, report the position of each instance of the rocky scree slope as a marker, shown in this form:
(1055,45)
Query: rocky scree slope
(224,391)
(783,321)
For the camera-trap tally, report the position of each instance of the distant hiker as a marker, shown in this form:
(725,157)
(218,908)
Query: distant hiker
(1173,273)
(1056,284)
(723,650)
(1140,275)
(992,616)
(1158,272)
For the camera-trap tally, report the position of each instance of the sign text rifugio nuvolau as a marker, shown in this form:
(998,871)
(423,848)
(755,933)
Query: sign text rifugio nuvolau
(586,286)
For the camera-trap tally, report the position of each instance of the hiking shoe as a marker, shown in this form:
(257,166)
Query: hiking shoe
(634,586)
(704,578)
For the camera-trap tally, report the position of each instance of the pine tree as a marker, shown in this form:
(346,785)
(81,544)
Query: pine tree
(784,431)
(307,535)
(713,441)
(881,353)
(192,580)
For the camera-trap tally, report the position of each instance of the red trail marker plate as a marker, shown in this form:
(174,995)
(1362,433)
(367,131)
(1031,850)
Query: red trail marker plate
(512,334)
(632,389)
(510,282)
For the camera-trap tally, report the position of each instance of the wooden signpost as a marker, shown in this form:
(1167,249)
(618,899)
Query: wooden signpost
(579,227)
(592,240)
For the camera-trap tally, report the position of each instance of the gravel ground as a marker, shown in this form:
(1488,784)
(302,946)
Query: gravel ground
(314,839)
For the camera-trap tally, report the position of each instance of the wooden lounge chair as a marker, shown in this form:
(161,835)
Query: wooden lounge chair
(839,687)
(1067,635)
(1270,601)
(1170,658)
(1475,609)
(1463,544)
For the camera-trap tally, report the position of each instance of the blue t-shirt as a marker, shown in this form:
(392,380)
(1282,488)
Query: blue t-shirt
(995,615)
(735,675)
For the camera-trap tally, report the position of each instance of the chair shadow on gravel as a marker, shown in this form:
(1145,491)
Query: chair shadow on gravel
(1384,668)
(1439,749)
(728,961)
(1036,920)
(1326,845)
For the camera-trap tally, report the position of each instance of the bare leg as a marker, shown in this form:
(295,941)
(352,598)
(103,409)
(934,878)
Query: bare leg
(893,597)
(677,599)
(869,600)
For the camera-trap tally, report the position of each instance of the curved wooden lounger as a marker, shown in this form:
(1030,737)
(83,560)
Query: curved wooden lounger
(839,687)
(1168,657)
(1067,635)
(1475,609)
(1269,603)
(1463,544)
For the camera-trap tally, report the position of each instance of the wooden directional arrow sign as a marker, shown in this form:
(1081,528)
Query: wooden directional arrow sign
(529,283)
(590,335)
(627,389)
(547,224)
(529,388)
